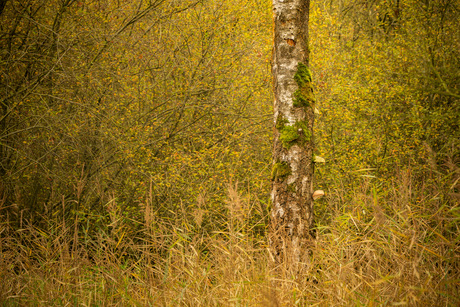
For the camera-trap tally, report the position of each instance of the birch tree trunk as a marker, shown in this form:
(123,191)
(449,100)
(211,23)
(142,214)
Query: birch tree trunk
(292,172)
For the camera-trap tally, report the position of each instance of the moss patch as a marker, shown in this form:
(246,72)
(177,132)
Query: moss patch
(302,75)
(280,170)
(280,122)
(289,135)
(303,96)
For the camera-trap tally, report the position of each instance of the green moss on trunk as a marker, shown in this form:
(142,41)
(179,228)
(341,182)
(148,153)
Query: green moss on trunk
(280,122)
(302,75)
(289,135)
(280,170)
(303,96)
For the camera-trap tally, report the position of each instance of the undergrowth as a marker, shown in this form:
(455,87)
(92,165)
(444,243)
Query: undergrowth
(381,249)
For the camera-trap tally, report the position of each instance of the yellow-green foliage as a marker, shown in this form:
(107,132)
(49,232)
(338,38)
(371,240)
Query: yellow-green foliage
(377,101)
(168,100)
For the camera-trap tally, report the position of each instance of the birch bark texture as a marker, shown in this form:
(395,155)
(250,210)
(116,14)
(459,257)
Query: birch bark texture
(292,169)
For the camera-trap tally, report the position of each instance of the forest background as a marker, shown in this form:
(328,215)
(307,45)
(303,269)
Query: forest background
(135,153)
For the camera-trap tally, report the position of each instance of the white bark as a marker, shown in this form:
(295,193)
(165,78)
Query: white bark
(292,211)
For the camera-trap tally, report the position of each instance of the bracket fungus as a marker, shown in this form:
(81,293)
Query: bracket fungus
(318,194)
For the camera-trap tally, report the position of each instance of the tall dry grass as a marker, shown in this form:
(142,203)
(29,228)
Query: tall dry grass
(391,245)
